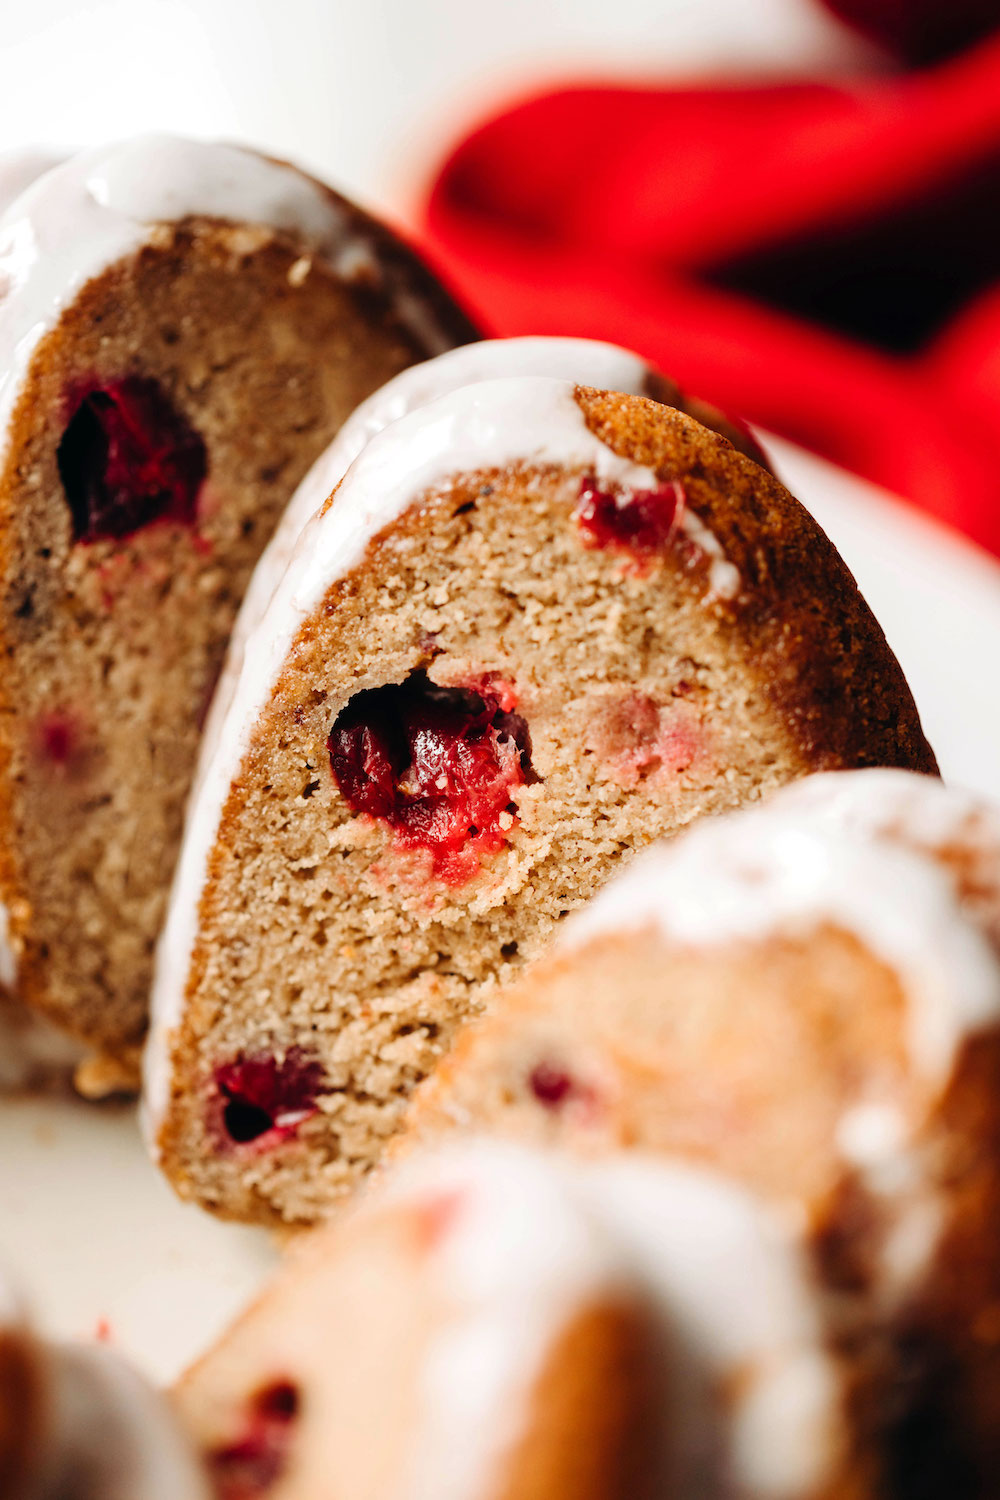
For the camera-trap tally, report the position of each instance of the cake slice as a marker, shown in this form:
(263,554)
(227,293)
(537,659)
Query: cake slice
(805,996)
(497,1324)
(537,627)
(183,328)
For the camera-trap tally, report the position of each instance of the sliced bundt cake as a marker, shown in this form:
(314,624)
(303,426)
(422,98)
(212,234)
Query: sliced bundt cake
(497,1323)
(537,627)
(815,1010)
(183,328)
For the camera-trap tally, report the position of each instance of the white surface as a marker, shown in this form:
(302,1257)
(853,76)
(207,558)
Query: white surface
(95,1237)
(93,1231)
(937,598)
(365,92)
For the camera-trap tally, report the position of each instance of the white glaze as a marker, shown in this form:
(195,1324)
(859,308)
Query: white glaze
(490,425)
(104,204)
(104,1433)
(898,805)
(516,1263)
(536,1238)
(953,826)
(763,872)
(19,169)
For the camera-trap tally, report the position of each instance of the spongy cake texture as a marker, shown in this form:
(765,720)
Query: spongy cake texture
(331,957)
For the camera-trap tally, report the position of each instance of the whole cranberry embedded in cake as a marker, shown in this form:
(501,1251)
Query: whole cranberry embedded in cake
(128,458)
(436,764)
(641,522)
(554,1087)
(256,1459)
(550,1086)
(264,1101)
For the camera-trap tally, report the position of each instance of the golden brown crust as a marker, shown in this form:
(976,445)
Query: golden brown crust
(823,656)
(660,388)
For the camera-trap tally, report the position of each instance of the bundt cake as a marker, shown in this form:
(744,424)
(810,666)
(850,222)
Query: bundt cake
(538,626)
(815,1011)
(497,1323)
(183,328)
(585,361)
(78,1423)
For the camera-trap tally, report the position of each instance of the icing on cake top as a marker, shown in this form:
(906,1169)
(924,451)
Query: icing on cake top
(534,1237)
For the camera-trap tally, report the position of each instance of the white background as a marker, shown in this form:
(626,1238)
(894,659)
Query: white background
(365,91)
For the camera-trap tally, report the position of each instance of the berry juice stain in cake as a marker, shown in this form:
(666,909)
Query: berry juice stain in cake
(640,522)
(635,739)
(264,1101)
(58,741)
(255,1461)
(437,765)
(127,459)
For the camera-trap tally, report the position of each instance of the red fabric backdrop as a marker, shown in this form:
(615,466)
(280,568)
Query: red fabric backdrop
(823,260)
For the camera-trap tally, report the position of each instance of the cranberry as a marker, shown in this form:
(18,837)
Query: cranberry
(251,1464)
(436,764)
(265,1100)
(128,458)
(638,521)
(551,1086)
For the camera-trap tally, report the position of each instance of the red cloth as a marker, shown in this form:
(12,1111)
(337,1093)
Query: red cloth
(823,260)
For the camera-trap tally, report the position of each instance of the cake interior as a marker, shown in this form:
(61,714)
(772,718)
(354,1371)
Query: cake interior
(744,1057)
(468,738)
(162,428)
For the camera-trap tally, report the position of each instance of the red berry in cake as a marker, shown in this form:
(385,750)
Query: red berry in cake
(556,1088)
(437,764)
(551,1086)
(264,1101)
(128,458)
(255,1460)
(638,521)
